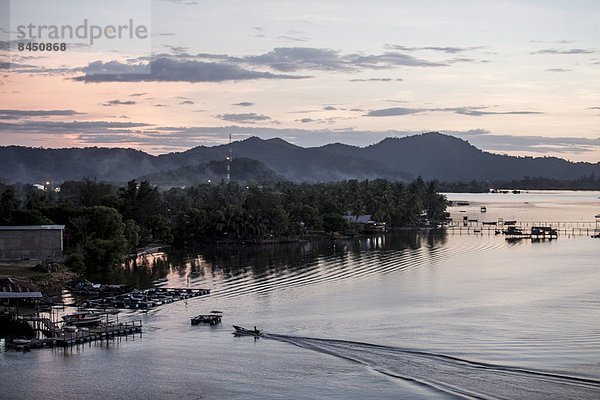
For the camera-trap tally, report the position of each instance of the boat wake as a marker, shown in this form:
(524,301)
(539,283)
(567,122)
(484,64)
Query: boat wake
(452,375)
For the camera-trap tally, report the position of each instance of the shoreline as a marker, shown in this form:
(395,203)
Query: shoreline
(29,270)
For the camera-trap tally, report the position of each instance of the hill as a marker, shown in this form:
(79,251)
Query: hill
(430,155)
(243,170)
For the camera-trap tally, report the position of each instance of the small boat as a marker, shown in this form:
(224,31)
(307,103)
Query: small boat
(211,319)
(70,328)
(248,332)
(483,208)
(83,318)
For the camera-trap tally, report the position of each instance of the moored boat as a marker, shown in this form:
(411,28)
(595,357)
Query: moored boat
(83,318)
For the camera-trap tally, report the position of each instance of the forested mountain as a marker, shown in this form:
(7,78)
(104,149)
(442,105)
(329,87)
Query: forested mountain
(243,170)
(430,155)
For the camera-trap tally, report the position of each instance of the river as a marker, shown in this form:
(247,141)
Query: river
(419,315)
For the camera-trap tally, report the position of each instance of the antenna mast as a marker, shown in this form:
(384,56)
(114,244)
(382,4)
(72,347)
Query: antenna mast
(229,159)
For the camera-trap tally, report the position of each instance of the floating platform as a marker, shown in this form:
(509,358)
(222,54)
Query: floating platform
(145,299)
(64,338)
(211,319)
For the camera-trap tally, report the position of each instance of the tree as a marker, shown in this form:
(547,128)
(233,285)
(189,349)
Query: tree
(334,223)
(8,204)
(105,243)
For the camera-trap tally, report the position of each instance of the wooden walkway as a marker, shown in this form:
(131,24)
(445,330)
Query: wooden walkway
(64,339)
(481,226)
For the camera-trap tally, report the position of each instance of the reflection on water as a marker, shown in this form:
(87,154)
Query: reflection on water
(402,315)
(290,264)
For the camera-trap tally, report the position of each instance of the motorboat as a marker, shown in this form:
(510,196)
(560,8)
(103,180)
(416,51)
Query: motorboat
(70,328)
(83,318)
(247,332)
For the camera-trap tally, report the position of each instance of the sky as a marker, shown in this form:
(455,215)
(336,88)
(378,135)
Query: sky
(511,77)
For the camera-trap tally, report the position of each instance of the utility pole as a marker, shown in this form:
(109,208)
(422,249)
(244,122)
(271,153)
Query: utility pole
(229,159)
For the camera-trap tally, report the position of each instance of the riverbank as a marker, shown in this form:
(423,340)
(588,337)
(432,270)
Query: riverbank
(45,277)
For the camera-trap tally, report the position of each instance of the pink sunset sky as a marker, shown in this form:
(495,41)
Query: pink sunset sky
(514,77)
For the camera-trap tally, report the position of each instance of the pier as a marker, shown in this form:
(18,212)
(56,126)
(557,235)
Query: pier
(530,229)
(145,299)
(62,338)
(69,332)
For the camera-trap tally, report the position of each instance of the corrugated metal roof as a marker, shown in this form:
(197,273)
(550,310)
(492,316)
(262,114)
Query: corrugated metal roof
(362,219)
(18,295)
(32,228)
(16,288)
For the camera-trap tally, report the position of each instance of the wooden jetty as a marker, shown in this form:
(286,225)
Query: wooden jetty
(67,333)
(145,299)
(535,229)
(62,338)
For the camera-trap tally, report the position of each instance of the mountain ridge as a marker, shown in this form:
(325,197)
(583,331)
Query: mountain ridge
(430,155)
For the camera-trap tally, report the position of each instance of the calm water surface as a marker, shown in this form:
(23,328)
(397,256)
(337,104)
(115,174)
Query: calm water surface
(402,315)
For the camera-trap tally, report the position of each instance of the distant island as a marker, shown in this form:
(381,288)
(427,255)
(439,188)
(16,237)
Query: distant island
(432,156)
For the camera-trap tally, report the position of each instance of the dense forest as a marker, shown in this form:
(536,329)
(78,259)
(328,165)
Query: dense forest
(104,222)
(586,182)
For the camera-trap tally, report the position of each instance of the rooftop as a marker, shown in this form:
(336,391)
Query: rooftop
(11,288)
(32,227)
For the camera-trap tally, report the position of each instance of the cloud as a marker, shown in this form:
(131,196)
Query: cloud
(475,111)
(184,2)
(17,114)
(186,102)
(394,111)
(449,50)
(289,38)
(390,59)
(243,104)
(119,103)
(563,51)
(317,120)
(169,70)
(245,118)
(535,144)
(297,58)
(137,94)
(557,70)
(376,80)
(594,108)
(180,66)
(177,49)
(32,69)
(329,108)
(73,127)
(472,111)
(290,59)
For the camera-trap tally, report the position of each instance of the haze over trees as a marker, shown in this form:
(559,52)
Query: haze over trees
(433,156)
